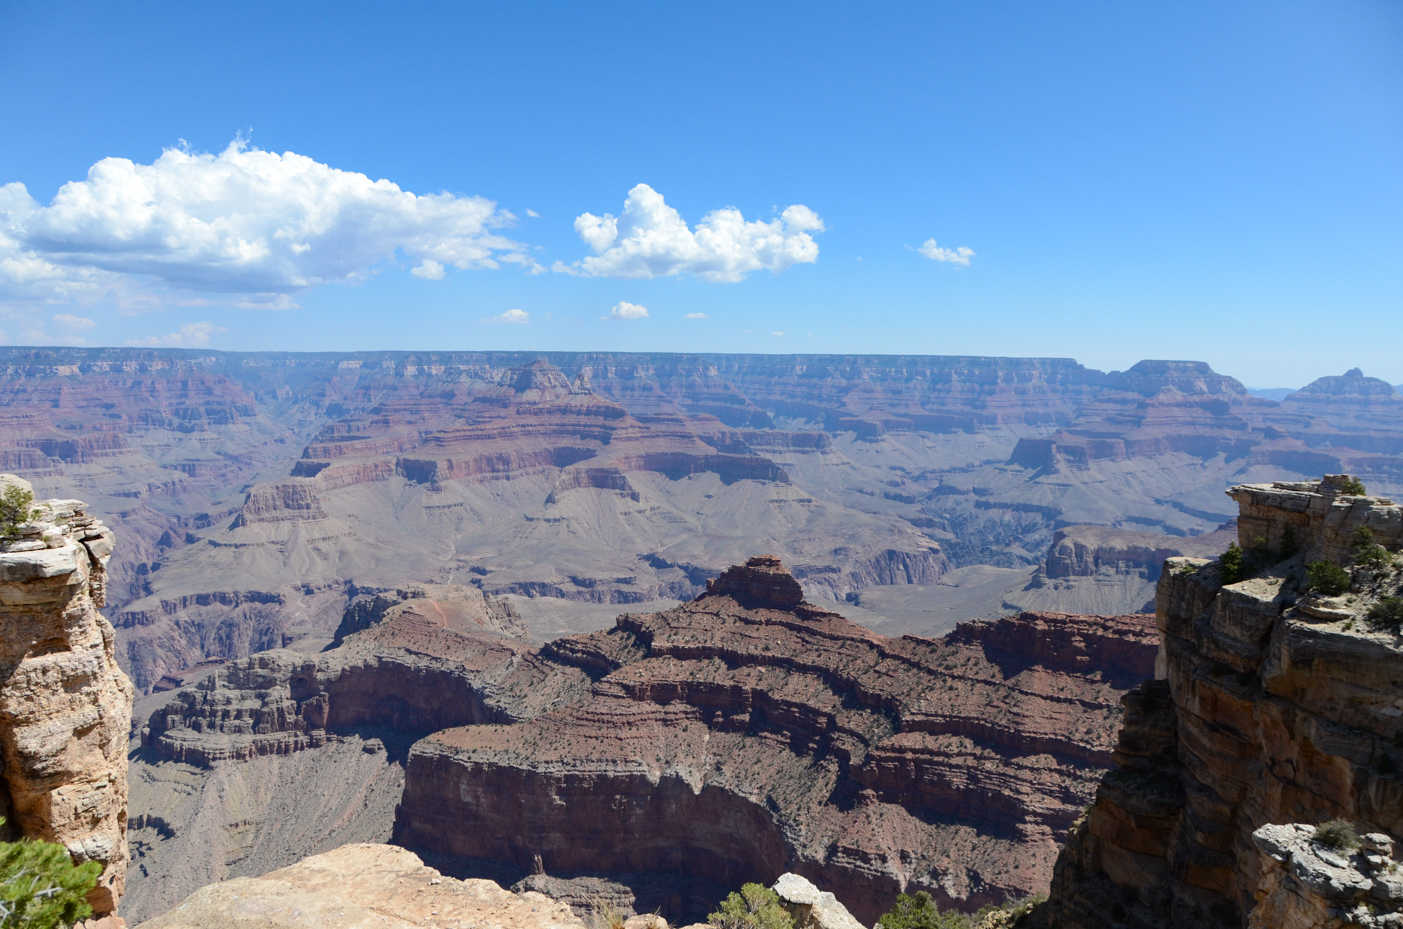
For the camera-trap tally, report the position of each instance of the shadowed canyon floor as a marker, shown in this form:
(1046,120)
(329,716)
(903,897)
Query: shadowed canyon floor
(258,493)
(742,734)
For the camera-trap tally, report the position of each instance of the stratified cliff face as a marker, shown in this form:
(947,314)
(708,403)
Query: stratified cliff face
(257,492)
(65,706)
(748,733)
(1272,707)
(283,754)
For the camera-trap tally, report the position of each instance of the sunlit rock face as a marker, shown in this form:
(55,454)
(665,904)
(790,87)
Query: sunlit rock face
(65,706)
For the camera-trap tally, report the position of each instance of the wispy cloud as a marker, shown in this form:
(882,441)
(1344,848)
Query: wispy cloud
(696,316)
(242,222)
(624,310)
(650,239)
(190,335)
(955,256)
(513,317)
(74,323)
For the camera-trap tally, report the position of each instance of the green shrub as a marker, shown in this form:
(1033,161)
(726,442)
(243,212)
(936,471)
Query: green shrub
(15,508)
(1338,834)
(1289,544)
(1327,578)
(1353,486)
(919,911)
(755,907)
(1230,564)
(1372,556)
(1387,613)
(41,887)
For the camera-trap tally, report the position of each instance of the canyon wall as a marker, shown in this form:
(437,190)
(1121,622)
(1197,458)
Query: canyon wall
(749,732)
(656,764)
(65,706)
(256,493)
(1276,706)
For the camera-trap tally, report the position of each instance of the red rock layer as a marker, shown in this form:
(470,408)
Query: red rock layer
(732,740)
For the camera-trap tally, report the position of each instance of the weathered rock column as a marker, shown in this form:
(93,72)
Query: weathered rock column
(65,706)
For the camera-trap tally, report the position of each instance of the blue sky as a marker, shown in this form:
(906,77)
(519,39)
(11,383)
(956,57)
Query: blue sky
(1213,181)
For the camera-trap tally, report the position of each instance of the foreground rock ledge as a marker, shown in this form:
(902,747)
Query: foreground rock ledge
(65,706)
(360,887)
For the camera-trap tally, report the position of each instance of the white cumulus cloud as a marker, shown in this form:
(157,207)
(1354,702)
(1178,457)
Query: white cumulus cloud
(956,256)
(243,221)
(510,316)
(191,335)
(624,310)
(650,239)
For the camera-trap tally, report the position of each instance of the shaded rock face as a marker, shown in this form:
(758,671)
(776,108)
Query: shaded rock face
(362,886)
(65,706)
(731,741)
(1270,706)
(427,662)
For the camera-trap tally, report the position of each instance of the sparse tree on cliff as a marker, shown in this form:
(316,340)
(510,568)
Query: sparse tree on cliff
(755,907)
(15,508)
(41,887)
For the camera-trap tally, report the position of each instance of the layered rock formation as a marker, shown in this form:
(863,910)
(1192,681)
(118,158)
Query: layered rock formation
(259,492)
(263,760)
(749,732)
(1274,704)
(362,886)
(732,738)
(64,704)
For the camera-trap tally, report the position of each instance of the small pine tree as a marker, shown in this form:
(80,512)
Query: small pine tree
(1353,487)
(919,911)
(41,887)
(1387,614)
(1289,545)
(755,907)
(1231,564)
(1327,578)
(15,509)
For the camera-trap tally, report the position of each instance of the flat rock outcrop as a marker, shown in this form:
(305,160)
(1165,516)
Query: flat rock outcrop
(1273,703)
(745,734)
(65,706)
(362,886)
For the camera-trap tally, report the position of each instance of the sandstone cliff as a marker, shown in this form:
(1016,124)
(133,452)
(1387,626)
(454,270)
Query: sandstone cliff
(64,704)
(1273,705)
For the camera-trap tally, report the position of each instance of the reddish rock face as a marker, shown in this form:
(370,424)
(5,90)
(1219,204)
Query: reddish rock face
(733,739)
